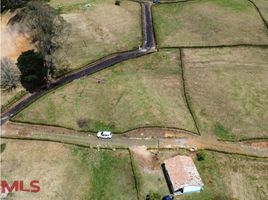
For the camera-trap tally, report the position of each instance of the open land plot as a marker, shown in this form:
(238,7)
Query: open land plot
(67,172)
(98,28)
(263,6)
(241,177)
(52,164)
(228,90)
(141,92)
(208,22)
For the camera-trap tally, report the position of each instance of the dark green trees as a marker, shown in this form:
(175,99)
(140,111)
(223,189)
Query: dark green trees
(33,70)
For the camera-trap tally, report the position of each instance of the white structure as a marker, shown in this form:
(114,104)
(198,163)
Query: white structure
(182,175)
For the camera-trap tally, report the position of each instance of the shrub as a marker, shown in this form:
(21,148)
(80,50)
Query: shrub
(201,155)
(82,123)
(117,2)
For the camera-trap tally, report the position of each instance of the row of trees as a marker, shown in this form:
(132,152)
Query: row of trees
(47,29)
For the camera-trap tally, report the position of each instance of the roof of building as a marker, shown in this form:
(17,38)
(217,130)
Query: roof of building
(182,172)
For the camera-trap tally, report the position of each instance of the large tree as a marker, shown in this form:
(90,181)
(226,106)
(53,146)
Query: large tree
(48,30)
(33,70)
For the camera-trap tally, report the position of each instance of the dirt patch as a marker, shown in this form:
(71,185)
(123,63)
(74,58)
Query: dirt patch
(146,159)
(14,38)
(159,133)
(261,145)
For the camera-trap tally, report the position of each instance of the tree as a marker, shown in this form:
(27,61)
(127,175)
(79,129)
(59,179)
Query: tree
(33,70)
(48,29)
(9,74)
(12,4)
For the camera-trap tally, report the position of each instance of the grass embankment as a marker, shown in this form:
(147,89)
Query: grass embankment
(98,28)
(228,91)
(146,91)
(208,22)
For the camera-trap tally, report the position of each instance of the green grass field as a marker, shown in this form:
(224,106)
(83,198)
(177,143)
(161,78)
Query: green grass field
(97,29)
(146,91)
(228,90)
(111,175)
(208,22)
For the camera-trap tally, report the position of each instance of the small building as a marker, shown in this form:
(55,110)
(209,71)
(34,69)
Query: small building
(181,175)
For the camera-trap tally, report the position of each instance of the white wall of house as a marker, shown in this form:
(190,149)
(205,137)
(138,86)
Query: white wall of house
(190,189)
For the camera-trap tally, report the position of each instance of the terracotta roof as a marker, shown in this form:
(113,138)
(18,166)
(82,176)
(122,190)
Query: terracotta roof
(182,172)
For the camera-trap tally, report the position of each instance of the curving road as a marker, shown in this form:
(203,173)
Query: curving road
(148,46)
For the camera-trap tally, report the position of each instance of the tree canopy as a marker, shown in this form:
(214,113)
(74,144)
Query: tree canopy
(33,70)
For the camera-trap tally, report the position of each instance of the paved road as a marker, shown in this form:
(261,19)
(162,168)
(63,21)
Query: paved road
(148,46)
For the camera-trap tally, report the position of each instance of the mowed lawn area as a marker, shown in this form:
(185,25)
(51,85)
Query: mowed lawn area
(97,29)
(228,90)
(141,92)
(208,22)
(67,172)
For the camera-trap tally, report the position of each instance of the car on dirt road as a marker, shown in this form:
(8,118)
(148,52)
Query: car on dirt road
(104,134)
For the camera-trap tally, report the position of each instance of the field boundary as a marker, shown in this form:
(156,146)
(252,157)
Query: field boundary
(216,46)
(260,13)
(13,100)
(135,172)
(185,94)
(244,139)
(91,131)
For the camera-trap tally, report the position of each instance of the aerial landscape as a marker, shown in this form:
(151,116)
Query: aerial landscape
(134,100)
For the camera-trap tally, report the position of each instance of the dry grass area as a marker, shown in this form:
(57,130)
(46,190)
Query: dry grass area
(146,91)
(228,90)
(98,28)
(263,6)
(208,22)
(67,172)
(52,164)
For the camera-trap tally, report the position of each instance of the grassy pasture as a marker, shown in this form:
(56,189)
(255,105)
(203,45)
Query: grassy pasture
(208,22)
(240,178)
(146,91)
(97,28)
(111,175)
(52,164)
(263,6)
(67,172)
(228,90)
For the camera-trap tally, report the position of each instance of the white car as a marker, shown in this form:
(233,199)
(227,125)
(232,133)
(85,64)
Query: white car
(104,134)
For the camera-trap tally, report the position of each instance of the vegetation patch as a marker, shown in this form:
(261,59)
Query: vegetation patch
(228,90)
(208,22)
(146,91)
(111,176)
